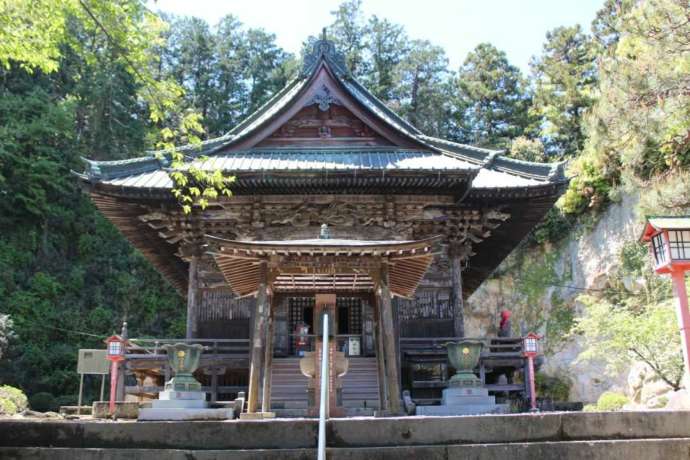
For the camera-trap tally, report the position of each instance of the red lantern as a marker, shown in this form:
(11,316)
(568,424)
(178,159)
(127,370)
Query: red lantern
(669,246)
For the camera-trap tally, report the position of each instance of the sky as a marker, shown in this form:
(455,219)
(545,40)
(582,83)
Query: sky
(517,27)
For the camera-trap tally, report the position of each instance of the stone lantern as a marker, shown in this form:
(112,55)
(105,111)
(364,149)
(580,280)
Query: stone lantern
(669,246)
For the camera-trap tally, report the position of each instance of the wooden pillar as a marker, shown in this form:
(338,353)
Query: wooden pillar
(268,360)
(257,340)
(192,297)
(389,346)
(380,358)
(456,299)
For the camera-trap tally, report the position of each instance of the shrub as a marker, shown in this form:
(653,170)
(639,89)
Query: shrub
(43,402)
(12,400)
(552,387)
(611,401)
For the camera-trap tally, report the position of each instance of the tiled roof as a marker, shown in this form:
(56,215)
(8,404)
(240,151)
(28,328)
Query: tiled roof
(494,169)
(304,160)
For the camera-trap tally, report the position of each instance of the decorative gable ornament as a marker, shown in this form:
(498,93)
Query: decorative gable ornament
(324,98)
(325,49)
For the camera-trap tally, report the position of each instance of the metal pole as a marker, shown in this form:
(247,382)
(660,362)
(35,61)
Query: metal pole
(81,392)
(102,386)
(324,391)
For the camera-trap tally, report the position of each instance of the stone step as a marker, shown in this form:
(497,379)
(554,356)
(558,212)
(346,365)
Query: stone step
(639,449)
(409,432)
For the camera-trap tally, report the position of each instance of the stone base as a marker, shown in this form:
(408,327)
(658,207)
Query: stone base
(464,409)
(184,395)
(460,396)
(465,401)
(123,409)
(159,414)
(179,404)
(257,415)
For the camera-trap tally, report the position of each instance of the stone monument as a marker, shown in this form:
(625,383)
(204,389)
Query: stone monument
(465,394)
(182,398)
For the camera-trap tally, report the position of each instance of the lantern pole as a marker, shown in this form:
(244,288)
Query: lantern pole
(532,386)
(678,279)
(113,386)
(530,349)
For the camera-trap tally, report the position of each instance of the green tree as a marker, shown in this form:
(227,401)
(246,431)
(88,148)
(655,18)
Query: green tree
(523,148)
(564,78)
(348,32)
(640,126)
(422,93)
(387,47)
(620,336)
(492,100)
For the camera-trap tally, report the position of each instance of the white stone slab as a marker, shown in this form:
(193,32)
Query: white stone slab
(453,400)
(184,414)
(467,409)
(179,404)
(177,395)
(466,391)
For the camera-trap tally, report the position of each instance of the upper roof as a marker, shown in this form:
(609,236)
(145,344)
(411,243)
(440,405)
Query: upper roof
(325,81)
(656,224)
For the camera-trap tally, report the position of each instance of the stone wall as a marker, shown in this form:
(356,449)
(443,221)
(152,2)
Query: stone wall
(540,285)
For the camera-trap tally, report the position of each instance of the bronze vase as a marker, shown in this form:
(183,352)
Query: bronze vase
(464,357)
(183,360)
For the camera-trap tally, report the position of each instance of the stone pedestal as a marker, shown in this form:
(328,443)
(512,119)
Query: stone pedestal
(182,405)
(465,401)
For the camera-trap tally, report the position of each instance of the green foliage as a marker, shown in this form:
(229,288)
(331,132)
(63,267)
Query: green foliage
(43,402)
(492,98)
(6,332)
(640,125)
(553,387)
(555,226)
(526,149)
(620,335)
(609,401)
(12,400)
(564,78)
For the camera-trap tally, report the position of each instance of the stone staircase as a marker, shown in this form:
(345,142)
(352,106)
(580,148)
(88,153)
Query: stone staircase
(289,388)
(361,387)
(654,435)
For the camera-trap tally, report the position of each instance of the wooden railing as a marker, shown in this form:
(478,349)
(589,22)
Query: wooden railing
(138,347)
(497,352)
(149,355)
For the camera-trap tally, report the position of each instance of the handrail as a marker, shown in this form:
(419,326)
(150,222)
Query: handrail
(321,448)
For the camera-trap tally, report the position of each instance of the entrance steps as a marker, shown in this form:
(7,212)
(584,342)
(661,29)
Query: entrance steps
(289,396)
(653,435)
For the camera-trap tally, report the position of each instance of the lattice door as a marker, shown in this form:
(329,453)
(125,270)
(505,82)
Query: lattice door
(296,308)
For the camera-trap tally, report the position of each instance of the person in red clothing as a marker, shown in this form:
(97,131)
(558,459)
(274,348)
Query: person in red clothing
(504,326)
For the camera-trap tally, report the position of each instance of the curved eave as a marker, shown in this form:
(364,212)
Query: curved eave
(455,182)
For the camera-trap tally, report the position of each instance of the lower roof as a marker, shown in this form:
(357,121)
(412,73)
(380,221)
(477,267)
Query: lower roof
(323,264)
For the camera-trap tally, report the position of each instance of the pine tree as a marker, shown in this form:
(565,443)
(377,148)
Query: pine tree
(565,78)
(492,101)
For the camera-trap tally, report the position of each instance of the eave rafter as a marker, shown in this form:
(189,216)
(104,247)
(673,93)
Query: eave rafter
(311,265)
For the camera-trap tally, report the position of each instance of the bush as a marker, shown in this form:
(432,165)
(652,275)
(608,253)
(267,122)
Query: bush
(611,401)
(12,400)
(554,388)
(43,402)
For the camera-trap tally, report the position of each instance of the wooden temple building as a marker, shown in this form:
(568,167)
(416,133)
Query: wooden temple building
(414,225)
